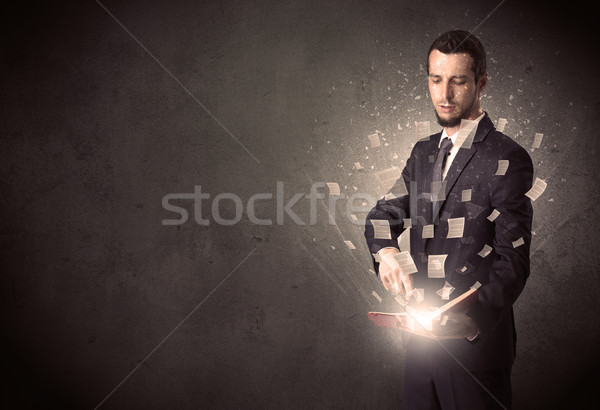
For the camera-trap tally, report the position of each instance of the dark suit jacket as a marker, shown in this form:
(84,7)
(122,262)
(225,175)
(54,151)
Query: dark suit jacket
(503,272)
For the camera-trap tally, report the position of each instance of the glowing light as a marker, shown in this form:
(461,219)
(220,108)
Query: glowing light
(421,317)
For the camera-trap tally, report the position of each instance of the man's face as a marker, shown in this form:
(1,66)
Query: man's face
(452,87)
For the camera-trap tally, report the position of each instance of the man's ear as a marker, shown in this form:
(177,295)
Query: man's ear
(483,82)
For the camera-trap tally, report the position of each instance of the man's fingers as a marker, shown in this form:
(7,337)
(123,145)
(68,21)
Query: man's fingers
(393,279)
(397,281)
(407,282)
(401,281)
(384,273)
(385,284)
(391,284)
(389,271)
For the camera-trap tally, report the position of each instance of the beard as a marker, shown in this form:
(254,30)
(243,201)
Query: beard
(450,123)
(453,122)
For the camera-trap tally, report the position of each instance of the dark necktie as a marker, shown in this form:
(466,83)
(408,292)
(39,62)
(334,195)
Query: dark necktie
(438,191)
(440,161)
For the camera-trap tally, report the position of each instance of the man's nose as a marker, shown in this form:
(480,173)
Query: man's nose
(447,92)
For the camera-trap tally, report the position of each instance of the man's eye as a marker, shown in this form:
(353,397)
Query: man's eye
(459,82)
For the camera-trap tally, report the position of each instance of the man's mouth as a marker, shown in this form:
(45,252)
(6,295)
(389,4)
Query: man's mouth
(445,108)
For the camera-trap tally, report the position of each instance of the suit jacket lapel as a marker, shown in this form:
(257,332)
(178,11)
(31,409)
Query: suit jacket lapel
(458,165)
(464,155)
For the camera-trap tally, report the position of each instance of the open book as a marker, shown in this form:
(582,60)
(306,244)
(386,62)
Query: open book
(403,319)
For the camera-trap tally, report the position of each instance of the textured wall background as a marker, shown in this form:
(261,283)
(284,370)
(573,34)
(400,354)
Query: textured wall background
(94,133)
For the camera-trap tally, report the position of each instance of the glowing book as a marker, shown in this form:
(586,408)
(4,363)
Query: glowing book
(402,319)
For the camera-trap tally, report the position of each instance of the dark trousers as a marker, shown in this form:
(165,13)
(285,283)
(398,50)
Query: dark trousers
(432,384)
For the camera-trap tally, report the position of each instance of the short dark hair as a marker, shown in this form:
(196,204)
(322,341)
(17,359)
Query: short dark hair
(460,41)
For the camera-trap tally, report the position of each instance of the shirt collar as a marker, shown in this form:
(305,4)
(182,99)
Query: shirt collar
(453,137)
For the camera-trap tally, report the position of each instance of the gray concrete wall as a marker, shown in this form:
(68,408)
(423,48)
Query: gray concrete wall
(94,133)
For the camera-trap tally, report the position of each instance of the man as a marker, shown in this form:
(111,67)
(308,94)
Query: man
(454,178)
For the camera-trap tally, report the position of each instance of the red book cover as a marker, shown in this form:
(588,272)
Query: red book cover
(394,320)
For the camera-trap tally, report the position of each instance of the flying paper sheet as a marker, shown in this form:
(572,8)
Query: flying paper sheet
(537,140)
(501,124)
(473,209)
(427,231)
(502,167)
(406,223)
(381,229)
(406,263)
(438,191)
(518,243)
(456,227)
(404,240)
(465,195)
(435,266)
(418,294)
(423,129)
(492,217)
(388,177)
(538,188)
(444,320)
(400,300)
(350,245)
(466,134)
(485,251)
(374,138)
(334,189)
(446,291)
(357,166)
(377,296)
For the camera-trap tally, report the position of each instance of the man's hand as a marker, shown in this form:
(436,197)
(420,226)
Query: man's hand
(456,326)
(391,275)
